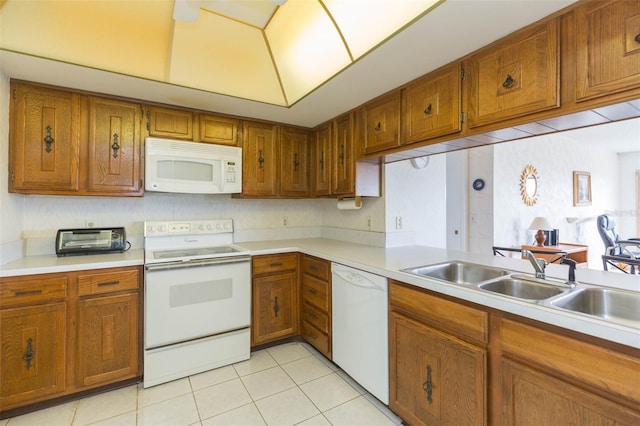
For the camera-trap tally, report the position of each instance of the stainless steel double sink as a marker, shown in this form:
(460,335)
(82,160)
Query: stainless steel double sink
(618,306)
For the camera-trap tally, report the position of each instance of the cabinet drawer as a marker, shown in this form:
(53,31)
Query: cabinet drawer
(319,340)
(316,317)
(317,267)
(616,372)
(461,320)
(274,263)
(32,290)
(315,292)
(107,282)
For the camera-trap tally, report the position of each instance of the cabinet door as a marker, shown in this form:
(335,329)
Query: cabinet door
(32,363)
(218,130)
(436,379)
(532,397)
(379,123)
(431,105)
(518,78)
(274,307)
(343,157)
(259,168)
(170,123)
(321,160)
(107,339)
(608,47)
(45,135)
(114,147)
(294,162)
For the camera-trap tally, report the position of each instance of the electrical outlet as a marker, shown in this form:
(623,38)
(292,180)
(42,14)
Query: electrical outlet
(398,222)
(89,223)
(285,221)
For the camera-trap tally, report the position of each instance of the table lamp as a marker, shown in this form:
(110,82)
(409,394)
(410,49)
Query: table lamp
(541,224)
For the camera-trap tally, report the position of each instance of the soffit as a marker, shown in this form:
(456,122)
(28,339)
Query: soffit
(450,31)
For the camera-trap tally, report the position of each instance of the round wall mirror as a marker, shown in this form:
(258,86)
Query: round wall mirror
(529,185)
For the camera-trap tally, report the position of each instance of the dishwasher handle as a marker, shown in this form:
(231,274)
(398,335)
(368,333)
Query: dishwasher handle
(358,280)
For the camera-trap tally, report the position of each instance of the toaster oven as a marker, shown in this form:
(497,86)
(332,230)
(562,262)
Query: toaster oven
(90,241)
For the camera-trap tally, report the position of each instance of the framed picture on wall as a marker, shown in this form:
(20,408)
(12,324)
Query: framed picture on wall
(581,188)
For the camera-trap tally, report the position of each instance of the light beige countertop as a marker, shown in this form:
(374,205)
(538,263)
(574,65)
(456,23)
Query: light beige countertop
(50,263)
(388,262)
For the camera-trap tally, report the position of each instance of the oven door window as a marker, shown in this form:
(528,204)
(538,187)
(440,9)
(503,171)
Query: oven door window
(188,303)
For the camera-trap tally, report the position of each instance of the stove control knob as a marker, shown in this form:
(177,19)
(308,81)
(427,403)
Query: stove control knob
(209,227)
(150,229)
(227,226)
(218,226)
(160,228)
(201,227)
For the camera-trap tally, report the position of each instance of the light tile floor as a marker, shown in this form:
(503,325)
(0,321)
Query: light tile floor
(290,384)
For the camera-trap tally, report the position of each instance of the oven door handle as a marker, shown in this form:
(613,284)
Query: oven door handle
(195,263)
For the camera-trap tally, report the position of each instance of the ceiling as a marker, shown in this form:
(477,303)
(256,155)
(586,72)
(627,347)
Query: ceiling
(451,30)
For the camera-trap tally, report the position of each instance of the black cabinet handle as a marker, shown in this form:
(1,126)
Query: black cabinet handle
(108,283)
(296,163)
(428,386)
(27,292)
(427,110)
(48,140)
(322,160)
(276,307)
(341,154)
(508,82)
(273,265)
(28,353)
(115,146)
(260,159)
(637,38)
(378,127)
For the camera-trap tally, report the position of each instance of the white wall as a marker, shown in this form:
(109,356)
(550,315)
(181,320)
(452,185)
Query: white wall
(555,158)
(418,197)
(11,205)
(480,226)
(627,213)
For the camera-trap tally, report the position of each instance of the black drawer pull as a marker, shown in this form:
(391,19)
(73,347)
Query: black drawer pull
(637,39)
(107,283)
(508,82)
(273,265)
(312,290)
(27,292)
(313,267)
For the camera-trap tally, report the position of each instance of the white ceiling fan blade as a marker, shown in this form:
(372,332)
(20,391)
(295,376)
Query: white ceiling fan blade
(186,10)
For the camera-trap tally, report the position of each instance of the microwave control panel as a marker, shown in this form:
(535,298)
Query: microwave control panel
(231,171)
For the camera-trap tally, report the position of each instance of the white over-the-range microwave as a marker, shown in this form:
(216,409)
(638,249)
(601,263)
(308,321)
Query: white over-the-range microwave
(192,168)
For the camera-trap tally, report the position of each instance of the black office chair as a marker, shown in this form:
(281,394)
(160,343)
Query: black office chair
(623,255)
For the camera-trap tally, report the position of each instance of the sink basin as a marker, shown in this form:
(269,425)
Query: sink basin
(614,305)
(458,272)
(522,288)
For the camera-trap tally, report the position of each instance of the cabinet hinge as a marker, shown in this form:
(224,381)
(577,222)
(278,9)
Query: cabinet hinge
(462,117)
(14,94)
(12,177)
(148,121)
(461,73)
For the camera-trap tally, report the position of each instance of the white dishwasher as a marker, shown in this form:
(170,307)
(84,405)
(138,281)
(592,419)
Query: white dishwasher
(360,327)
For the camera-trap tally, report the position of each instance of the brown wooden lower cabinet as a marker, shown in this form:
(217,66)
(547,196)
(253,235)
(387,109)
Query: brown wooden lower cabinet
(436,377)
(68,332)
(455,363)
(275,297)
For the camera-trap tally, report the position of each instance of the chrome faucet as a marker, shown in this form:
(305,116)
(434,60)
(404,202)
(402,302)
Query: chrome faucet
(538,264)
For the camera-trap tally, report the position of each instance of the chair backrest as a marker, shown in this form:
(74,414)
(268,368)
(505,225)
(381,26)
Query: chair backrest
(607,230)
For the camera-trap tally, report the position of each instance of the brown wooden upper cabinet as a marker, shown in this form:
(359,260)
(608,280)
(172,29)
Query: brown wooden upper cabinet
(259,164)
(431,105)
(515,77)
(294,162)
(343,180)
(170,123)
(114,146)
(44,135)
(66,143)
(608,48)
(218,130)
(379,123)
(321,160)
